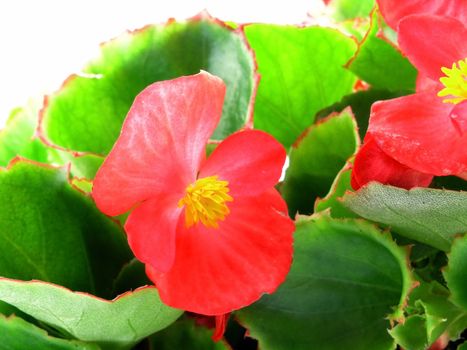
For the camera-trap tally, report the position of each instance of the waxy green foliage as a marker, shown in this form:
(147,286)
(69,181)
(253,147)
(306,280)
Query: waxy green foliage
(19,334)
(316,159)
(18,139)
(52,232)
(332,200)
(349,282)
(430,315)
(380,63)
(117,324)
(430,216)
(456,272)
(87,113)
(346,279)
(301,72)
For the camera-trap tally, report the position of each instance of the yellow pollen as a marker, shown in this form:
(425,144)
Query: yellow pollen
(205,201)
(455,82)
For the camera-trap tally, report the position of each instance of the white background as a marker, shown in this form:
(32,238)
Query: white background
(44,41)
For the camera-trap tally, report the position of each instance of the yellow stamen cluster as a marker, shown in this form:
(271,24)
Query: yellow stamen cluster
(205,201)
(455,82)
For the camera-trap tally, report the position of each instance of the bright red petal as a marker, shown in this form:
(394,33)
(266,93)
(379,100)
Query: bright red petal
(162,142)
(372,164)
(432,42)
(250,160)
(458,118)
(394,10)
(425,84)
(220,270)
(419,132)
(151,230)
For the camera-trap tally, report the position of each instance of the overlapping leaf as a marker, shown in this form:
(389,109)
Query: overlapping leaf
(346,279)
(430,216)
(19,334)
(332,200)
(116,324)
(431,315)
(301,73)
(17,138)
(457,271)
(87,113)
(53,233)
(380,63)
(316,159)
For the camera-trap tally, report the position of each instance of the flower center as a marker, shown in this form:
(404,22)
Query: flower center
(455,82)
(205,201)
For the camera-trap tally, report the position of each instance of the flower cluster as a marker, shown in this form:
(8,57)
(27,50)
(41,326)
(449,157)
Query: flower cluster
(413,138)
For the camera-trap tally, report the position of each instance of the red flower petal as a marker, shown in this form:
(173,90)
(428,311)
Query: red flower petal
(251,161)
(432,42)
(394,10)
(372,164)
(458,118)
(151,230)
(425,84)
(220,270)
(418,131)
(162,142)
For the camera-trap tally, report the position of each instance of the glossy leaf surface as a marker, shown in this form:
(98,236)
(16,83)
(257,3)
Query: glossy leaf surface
(53,233)
(316,159)
(19,334)
(295,84)
(430,216)
(380,63)
(116,324)
(346,278)
(87,113)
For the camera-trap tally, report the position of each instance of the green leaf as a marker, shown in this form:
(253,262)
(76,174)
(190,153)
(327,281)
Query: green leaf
(332,200)
(456,272)
(19,334)
(132,276)
(346,279)
(412,334)
(53,233)
(463,346)
(432,316)
(379,63)
(17,138)
(351,9)
(87,113)
(316,159)
(430,216)
(115,324)
(301,72)
(360,102)
(185,334)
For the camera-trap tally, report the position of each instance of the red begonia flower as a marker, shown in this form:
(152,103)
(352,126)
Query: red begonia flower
(394,10)
(214,234)
(427,131)
(373,164)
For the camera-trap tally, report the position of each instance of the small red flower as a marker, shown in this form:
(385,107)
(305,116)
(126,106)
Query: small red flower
(426,131)
(213,233)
